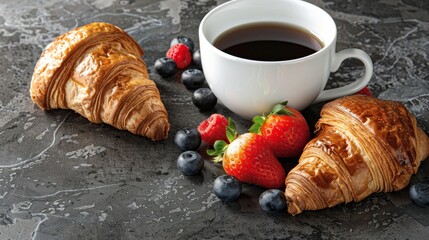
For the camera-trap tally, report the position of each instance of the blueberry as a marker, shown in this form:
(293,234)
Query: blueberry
(188,139)
(204,99)
(227,188)
(193,78)
(196,57)
(190,163)
(165,66)
(419,193)
(185,40)
(272,200)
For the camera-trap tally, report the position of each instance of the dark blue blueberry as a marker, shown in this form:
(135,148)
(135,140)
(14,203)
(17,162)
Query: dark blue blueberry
(272,200)
(419,193)
(165,66)
(227,188)
(193,78)
(188,139)
(204,99)
(190,163)
(185,40)
(196,57)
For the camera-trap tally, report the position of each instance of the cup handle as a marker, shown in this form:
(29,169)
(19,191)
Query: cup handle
(353,87)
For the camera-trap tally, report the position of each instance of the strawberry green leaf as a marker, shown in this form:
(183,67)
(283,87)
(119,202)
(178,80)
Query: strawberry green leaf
(285,111)
(277,108)
(220,145)
(212,152)
(231,124)
(231,130)
(230,135)
(280,109)
(255,128)
(258,119)
(219,148)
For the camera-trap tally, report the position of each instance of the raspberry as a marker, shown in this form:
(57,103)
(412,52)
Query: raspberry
(213,129)
(180,54)
(365,91)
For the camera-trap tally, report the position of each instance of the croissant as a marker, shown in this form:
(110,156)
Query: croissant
(97,71)
(363,145)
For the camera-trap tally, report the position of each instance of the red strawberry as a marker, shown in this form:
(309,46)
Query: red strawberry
(365,91)
(285,130)
(180,54)
(213,128)
(249,159)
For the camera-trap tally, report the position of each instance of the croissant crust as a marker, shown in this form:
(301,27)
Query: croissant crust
(363,145)
(97,71)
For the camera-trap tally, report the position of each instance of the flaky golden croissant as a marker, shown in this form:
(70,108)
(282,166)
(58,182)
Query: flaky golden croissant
(97,71)
(363,145)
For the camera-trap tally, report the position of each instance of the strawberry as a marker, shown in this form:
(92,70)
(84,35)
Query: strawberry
(249,159)
(213,128)
(180,54)
(365,91)
(285,130)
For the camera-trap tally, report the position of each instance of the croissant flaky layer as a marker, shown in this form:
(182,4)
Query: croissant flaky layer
(97,71)
(363,145)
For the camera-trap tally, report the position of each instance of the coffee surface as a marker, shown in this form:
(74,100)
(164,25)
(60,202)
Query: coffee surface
(268,42)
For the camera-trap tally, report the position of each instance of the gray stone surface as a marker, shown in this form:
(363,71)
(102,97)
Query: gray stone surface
(62,177)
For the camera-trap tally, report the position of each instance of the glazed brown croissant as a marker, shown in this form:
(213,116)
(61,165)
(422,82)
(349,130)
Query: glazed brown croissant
(363,145)
(97,71)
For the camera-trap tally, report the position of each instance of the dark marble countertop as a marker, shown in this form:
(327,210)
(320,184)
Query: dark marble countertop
(62,177)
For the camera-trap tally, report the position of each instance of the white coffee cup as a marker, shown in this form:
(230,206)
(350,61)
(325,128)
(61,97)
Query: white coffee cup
(249,87)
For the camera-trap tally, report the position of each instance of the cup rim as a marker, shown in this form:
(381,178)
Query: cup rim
(325,47)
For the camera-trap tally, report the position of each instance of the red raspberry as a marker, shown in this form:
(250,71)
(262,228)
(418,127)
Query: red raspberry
(180,54)
(365,91)
(213,128)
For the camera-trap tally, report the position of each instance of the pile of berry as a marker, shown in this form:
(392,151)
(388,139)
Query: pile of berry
(247,158)
(179,56)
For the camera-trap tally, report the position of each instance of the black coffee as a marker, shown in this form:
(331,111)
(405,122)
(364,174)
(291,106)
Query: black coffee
(268,42)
